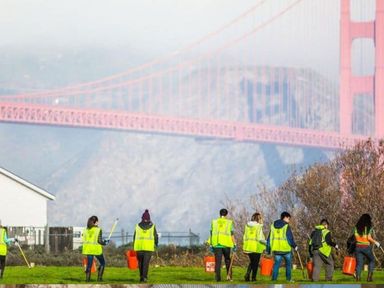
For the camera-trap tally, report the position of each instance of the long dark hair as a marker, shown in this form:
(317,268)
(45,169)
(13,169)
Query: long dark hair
(364,224)
(91,221)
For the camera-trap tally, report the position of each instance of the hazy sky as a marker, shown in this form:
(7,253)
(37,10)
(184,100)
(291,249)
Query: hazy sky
(306,36)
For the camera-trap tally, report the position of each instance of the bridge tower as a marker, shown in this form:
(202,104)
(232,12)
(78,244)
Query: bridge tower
(351,85)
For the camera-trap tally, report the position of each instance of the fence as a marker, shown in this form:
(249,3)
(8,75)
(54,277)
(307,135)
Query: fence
(61,239)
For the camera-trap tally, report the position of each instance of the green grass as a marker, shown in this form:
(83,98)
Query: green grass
(164,275)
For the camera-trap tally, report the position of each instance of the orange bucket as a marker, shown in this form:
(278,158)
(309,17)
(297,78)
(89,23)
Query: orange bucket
(209,264)
(266,266)
(93,267)
(310,269)
(131,259)
(349,265)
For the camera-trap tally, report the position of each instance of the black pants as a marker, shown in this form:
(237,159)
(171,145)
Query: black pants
(254,259)
(2,265)
(144,257)
(219,253)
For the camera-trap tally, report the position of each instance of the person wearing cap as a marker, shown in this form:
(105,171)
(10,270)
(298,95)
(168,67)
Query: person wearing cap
(145,240)
(4,241)
(222,240)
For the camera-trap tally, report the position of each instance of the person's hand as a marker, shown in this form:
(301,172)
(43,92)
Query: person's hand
(106,242)
(337,247)
(297,248)
(211,249)
(16,240)
(377,244)
(235,248)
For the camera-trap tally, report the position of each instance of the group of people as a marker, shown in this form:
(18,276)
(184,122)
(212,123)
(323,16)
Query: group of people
(280,243)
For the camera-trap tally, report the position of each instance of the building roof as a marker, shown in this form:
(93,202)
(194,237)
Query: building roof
(25,183)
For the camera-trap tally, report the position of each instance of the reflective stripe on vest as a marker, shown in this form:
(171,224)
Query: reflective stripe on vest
(251,239)
(144,239)
(90,242)
(3,245)
(221,232)
(362,239)
(278,239)
(325,249)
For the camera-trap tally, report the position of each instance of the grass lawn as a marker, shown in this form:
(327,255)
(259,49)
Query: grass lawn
(163,275)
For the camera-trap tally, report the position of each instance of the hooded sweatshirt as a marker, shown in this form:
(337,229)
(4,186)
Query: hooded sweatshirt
(280,224)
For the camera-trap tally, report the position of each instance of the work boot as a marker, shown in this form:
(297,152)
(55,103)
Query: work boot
(369,278)
(100,273)
(246,276)
(88,276)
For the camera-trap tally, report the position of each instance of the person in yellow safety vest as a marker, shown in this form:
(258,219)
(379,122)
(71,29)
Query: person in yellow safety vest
(280,242)
(93,247)
(253,244)
(320,248)
(222,240)
(4,241)
(145,240)
(363,233)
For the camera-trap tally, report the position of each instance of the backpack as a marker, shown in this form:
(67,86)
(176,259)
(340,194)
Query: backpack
(317,239)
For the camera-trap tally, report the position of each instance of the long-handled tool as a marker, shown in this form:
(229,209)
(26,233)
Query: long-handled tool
(229,275)
(301,264)
(22,253)
(113,229)
(381,248)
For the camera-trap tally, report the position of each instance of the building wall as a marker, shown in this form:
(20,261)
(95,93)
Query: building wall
(21,206)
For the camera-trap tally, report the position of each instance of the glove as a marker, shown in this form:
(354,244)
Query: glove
(234,248)
(337,247)
(106,242)
(211,249)
(16,240)
(377,244)
(297,248)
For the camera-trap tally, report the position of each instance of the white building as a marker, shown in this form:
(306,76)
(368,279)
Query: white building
(22,203)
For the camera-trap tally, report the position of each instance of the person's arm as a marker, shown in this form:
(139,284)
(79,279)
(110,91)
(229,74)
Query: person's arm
(290,238)
(268,249)
(100,239)
(371,240)
(233,235)
(156,236)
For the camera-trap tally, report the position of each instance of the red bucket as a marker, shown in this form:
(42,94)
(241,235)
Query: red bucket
(209,264)
(131,259)
(93,267)
(349,265)
(310,269)
(266,266)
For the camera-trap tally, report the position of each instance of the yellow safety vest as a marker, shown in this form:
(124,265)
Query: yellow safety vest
(91,245)
(221,232)
(362,239)
(3,245)
(252,237)
(278,239)
(144,239)
(325,249)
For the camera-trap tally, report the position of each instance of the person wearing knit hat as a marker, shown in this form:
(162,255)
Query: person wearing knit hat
(145,240)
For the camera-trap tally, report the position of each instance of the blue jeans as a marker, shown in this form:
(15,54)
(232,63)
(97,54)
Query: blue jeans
(362,252)
(90,261)
(288,266)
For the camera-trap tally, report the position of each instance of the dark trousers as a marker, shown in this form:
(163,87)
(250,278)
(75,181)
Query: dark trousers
(219,253)
(144,257)
(254,259)
(366,252)
(100,258)
(318,261)
(2,265)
